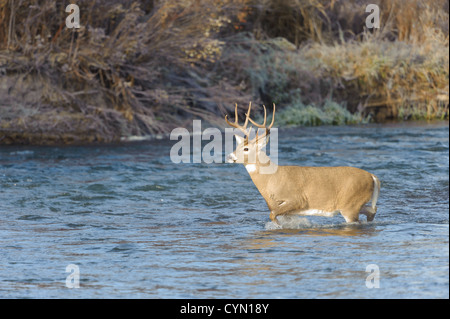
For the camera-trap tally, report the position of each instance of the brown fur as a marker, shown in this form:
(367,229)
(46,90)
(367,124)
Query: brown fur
(300,190)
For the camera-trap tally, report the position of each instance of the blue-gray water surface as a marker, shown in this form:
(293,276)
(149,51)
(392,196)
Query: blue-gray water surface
(137,225)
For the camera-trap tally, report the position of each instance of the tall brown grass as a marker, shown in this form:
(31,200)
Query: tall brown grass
(137,68)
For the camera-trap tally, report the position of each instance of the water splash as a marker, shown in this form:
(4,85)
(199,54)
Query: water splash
(290,222)
(301,222)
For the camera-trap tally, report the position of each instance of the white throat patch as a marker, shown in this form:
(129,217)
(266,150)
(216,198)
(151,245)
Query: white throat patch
(250,168)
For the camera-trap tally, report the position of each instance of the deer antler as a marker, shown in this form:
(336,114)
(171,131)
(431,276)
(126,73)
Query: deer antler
(264,124)
(236,124)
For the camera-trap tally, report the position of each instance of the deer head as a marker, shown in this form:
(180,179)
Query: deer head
(249,152)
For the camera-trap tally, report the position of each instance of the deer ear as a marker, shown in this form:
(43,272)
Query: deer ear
(239,139)
(262,141)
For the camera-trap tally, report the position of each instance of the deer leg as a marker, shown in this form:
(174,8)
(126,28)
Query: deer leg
(369,212)
(350,215)
(273,218)
(280,207)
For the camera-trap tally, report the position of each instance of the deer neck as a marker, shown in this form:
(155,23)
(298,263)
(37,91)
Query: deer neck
(260,173)
(261,167)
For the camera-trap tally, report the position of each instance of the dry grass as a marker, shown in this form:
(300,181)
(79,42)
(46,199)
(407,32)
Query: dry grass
(400,71)
(384,77)
(132,69)
(137,68)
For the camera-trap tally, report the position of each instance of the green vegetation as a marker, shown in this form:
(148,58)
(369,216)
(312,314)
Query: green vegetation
(140,68)
(331,113)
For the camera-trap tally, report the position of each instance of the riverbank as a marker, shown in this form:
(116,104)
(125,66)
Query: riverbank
(139,69)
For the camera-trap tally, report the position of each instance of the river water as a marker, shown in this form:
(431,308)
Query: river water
(135,225)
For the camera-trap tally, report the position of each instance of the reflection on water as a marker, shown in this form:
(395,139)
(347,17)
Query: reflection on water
(140,226)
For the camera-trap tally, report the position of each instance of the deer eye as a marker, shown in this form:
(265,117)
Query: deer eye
(245,149)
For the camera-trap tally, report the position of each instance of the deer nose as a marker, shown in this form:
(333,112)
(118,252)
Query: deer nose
(231,158)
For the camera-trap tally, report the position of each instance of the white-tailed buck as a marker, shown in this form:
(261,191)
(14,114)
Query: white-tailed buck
(318,191)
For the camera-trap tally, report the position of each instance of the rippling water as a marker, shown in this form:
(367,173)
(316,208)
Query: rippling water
(139,226)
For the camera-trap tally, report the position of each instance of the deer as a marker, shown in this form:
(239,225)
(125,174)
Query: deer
(298,190)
